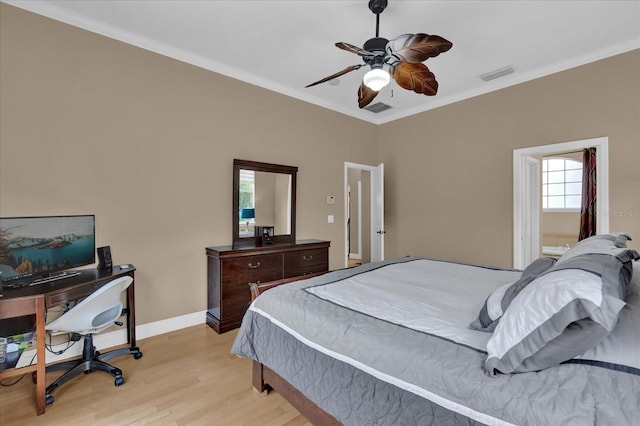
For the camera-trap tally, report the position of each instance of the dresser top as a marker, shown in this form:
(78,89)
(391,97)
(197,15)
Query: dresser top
(268,248)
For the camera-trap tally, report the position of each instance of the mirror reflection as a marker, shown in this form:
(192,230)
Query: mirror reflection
(264,200)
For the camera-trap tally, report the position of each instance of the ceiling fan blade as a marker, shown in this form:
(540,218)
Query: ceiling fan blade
(365,95)
(336,75)
(353,49)
(417,48)
(416,77)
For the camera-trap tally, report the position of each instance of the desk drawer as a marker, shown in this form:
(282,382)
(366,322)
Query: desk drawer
(239,285)
(305,258)
(71,293)
(251,265)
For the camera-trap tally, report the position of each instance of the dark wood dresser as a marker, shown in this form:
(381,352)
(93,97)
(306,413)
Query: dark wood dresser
(230,271)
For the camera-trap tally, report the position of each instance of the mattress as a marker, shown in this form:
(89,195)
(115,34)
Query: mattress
(387,343)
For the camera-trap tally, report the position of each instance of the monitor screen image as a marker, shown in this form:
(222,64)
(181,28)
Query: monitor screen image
(40,246)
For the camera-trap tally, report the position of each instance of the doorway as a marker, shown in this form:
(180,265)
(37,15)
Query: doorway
(364,213)
(526,198)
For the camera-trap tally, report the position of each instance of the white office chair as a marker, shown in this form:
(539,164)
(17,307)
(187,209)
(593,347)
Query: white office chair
(96,312)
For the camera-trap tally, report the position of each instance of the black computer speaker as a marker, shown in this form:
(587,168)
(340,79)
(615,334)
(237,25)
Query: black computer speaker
(104,258)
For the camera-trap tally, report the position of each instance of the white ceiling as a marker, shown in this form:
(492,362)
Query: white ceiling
(285,45)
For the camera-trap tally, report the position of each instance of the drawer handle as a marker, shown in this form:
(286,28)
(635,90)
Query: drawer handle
(254,265)
(307,257)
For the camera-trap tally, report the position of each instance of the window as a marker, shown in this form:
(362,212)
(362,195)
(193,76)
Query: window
(561,184)
(247,185)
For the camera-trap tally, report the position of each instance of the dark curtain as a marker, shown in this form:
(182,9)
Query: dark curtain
(589,195)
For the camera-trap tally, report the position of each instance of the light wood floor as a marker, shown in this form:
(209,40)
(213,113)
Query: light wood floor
(354,262)
(187,377)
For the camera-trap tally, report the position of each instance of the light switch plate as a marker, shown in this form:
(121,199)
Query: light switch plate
(331,199)
(330,218)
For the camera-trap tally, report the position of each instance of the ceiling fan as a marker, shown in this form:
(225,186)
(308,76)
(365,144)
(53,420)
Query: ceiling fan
(403,56)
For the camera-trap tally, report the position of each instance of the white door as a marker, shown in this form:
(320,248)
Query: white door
(531,220)
(526,215)
(377,213)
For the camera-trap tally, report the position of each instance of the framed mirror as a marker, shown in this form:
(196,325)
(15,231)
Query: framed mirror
(264,198)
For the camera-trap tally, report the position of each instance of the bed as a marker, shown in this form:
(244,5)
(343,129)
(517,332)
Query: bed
(401,342)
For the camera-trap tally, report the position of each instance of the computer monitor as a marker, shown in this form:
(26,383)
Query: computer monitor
(38,247)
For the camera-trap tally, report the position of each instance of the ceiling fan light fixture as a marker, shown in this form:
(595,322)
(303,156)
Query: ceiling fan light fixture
(376,79)
(402,57)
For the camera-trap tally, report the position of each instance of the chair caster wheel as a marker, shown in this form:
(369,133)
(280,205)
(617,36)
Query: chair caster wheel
(49,399)
(137,355)
(119,381)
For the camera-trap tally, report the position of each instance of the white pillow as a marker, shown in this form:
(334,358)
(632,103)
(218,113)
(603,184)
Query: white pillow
(500,299)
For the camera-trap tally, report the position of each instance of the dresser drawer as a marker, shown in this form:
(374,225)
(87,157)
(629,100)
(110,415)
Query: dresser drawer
(235,306)
(251,265)
(305,258)
(230,270)
(239,285)
(308,270)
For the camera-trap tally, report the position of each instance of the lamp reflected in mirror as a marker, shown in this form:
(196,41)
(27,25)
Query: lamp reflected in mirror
(247,215)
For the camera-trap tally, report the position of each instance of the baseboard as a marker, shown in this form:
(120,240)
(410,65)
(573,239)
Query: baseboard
(119,337)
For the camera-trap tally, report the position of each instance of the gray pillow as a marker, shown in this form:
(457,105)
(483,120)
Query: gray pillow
(500,299)
(612,244)
(622,346)
(562,313)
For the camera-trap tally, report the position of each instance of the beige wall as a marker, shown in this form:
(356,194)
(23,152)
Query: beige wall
(559,228)
(461,156)
(282,204)
(146,143)
(265,196)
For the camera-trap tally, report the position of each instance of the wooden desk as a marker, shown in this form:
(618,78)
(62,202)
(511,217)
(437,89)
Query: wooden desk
(37,298)
(21,306)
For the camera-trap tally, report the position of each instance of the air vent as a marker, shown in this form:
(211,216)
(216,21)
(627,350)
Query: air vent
(501,72)
(377,107)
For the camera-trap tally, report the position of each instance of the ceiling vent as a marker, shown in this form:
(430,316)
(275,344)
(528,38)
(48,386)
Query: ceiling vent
(500,72)
(377,107)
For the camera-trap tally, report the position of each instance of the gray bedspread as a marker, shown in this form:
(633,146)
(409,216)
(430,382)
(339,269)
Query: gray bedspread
(363,370)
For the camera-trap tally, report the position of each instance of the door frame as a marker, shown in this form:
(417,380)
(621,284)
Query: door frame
(371,169)
(525,219)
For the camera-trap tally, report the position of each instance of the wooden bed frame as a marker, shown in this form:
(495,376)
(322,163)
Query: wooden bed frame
(265,379)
